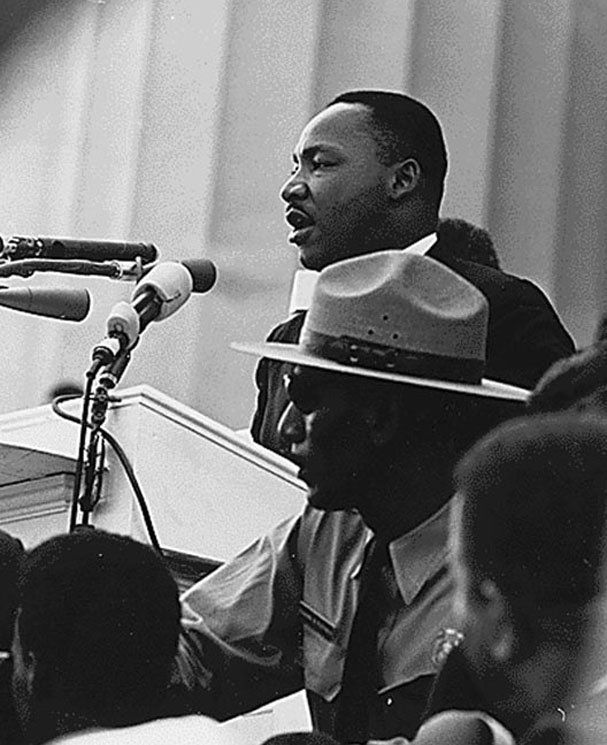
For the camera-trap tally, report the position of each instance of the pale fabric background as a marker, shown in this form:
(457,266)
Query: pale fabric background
(172,121)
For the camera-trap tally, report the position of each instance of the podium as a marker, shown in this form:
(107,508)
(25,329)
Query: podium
(210,492)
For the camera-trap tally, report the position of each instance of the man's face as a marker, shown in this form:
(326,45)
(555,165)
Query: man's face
(337,195)
(521,671)
(328,438)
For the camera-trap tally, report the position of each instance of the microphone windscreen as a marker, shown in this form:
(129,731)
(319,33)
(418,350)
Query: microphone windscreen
(64,304)
(203,271)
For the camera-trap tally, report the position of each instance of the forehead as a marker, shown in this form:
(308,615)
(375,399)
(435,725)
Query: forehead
(342,127)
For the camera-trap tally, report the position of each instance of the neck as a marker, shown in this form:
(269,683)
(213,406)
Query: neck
(412,230)
(403,229)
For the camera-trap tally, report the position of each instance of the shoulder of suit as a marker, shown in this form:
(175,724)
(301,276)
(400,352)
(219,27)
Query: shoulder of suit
(496,280)
(287,332)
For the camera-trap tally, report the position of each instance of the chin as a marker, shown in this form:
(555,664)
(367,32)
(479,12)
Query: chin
(327,500)
(316,256)
(310,259)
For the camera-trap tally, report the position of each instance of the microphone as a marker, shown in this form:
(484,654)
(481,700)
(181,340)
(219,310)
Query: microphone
(203,272)
(63,304)
(17,248)
(163,290)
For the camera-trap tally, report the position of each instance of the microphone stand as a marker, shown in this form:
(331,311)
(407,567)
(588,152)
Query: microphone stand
(111,269)
(110,360)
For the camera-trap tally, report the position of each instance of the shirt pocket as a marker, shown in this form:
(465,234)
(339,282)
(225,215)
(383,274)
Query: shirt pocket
(323,656)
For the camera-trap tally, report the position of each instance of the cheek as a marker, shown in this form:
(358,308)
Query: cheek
(350,197)
(341,441)
(21,692)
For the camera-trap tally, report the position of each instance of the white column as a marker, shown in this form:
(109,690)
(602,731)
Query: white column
(454,61)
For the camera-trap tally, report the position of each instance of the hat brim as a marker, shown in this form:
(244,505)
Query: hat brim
(292,353)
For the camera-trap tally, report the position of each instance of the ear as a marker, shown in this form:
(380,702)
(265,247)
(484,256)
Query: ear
(24,662)
(405,178)
(498,622)
(30,665)
(382,416)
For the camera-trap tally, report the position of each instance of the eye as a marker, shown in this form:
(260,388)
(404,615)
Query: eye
(300,393)
(319,163)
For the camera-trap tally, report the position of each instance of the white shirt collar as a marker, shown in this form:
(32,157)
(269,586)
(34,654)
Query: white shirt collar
(421,247)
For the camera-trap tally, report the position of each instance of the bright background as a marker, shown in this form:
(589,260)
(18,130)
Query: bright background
(172,122)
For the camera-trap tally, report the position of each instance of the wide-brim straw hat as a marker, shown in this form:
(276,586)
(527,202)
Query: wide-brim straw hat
(399,317)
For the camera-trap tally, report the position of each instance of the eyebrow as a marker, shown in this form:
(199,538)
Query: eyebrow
(309,152)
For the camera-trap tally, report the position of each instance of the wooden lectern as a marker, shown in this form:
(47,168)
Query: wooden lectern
(210,492)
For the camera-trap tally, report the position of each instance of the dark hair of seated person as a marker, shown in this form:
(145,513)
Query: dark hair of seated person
(467,242)
(11,554)
(534,496)
(301,738)
(100,617)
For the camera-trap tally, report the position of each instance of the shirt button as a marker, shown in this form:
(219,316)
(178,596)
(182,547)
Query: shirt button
(389,701)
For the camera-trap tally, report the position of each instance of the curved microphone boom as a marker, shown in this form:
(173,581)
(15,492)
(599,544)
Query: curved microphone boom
(63,304)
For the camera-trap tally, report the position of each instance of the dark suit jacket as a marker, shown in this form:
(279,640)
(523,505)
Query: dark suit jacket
(525,336)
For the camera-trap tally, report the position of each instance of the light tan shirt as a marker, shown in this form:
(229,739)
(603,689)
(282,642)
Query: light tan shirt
(286,605)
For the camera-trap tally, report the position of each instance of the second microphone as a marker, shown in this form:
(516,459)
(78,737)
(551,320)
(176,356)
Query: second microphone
(159,294)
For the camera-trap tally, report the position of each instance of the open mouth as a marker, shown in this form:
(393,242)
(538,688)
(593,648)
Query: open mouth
(301,223)
(298,219)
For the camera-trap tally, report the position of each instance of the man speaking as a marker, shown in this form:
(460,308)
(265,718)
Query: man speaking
(368,175)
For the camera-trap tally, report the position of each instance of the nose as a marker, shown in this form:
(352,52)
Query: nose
(294,187)
(291,427)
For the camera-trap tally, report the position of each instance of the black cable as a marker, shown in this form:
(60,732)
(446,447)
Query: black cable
(99,467)
(86,400)
(124,461)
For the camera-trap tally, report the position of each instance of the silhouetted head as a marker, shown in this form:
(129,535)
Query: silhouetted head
(528,537)
(96,634)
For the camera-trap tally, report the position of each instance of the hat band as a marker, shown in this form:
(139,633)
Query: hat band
(348,350)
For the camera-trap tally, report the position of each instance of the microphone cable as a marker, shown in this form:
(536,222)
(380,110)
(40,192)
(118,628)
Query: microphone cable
(86,402)
(121,455)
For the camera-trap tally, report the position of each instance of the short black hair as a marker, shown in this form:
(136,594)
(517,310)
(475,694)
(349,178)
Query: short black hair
(464,240)
(404,128)
(534,505)
(101,614)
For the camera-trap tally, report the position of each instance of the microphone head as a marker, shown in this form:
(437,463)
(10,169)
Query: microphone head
(64,304)
(204,273)
(170,283)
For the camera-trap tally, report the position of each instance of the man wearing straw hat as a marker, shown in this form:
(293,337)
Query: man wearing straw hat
(350,598)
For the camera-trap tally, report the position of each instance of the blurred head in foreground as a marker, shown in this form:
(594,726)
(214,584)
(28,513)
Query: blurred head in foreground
(96,634)
(528,531)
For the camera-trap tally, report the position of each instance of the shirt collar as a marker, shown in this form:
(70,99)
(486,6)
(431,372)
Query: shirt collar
(418,554)
(421,247)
